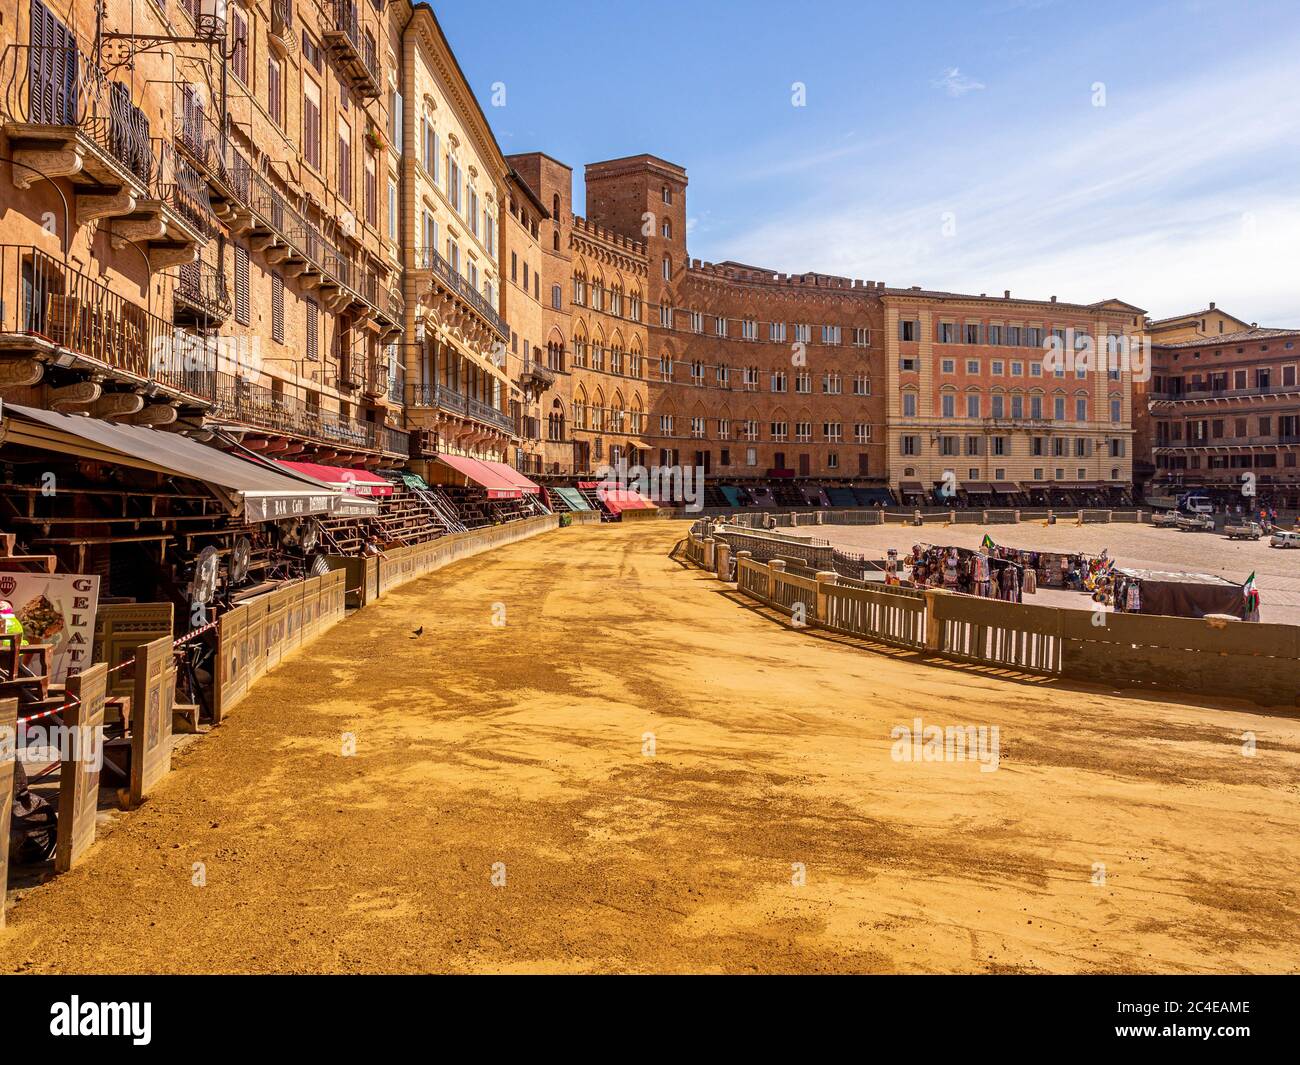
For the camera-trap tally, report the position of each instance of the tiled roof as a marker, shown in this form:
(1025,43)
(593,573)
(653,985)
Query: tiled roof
(1195,314)
(1240,337)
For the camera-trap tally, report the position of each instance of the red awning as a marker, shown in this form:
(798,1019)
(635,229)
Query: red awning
(617,500)
(509,473)
(357,482)
(481,474)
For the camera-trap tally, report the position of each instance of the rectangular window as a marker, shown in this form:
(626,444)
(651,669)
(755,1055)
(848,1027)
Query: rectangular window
(274,91)
(370,194)
(345,162)
(241,285)
(239,44)
(313,329)
(909,330)
(277,308)
(311,123)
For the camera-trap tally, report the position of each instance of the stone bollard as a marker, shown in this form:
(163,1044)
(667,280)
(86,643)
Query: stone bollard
(1081,517)
(722,559)
(825,579)
(818,520)
(1051,516)
(709,547)
(1017,517)
(916,518)
(984,517)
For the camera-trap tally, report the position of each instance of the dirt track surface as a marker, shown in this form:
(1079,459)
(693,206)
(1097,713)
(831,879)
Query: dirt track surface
(523,745)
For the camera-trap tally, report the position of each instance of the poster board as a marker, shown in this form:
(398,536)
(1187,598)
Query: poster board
(79,775)
(57,609)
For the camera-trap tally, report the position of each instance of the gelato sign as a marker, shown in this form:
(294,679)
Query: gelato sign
(57,609)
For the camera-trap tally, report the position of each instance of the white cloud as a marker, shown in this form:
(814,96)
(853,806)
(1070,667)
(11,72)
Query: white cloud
(955,83)
(1177,198)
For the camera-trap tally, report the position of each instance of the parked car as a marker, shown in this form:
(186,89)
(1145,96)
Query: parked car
(1165,519)
(1246,530)
(1282,538)
(1195,523)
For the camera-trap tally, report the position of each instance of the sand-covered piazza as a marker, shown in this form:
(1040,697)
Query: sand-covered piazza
(639,772)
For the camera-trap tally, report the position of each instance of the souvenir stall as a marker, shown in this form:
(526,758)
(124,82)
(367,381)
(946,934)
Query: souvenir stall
(958,569)
(1079,571)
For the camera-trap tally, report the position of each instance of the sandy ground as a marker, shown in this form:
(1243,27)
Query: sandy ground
(525,745)
(1140,546)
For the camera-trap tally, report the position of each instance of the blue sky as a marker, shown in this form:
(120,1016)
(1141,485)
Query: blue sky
(1149,151)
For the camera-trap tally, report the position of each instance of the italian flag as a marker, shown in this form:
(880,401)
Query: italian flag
(987,543)
(1251,593)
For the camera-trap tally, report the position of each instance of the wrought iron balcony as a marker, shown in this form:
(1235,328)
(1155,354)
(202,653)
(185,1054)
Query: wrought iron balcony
(353,46)
(55,312)
(282,21)
(72,120)
(441,397)
(202,296)
(259,407)
(427,258)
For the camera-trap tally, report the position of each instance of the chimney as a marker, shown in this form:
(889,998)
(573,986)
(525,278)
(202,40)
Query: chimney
(1006,293)
(1053,299)
(1211,304)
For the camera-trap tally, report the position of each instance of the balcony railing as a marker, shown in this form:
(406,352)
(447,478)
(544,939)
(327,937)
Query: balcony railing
(178,185)
(427,258)
(354,47)
(449,399)
(201,290)
(265,408)
(59,87)
(1227,393)
(395,441)
(43,298)
(1228,441)
(282,20)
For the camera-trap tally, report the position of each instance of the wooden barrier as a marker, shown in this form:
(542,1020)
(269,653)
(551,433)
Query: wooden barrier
(876,614)
(8,754)
(1246,660)
(151,716)
(1256,662)
(79,773)
(995,633)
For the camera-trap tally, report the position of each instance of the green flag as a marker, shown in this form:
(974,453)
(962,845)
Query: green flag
(987,543)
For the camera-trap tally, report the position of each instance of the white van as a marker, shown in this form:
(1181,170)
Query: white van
(1282,538)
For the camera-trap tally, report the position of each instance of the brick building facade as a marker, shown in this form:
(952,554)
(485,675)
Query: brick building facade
(332,199)
(1224,414)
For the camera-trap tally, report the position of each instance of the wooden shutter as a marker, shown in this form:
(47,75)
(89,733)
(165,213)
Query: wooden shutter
(241,285)
(277,308)
(313,338)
